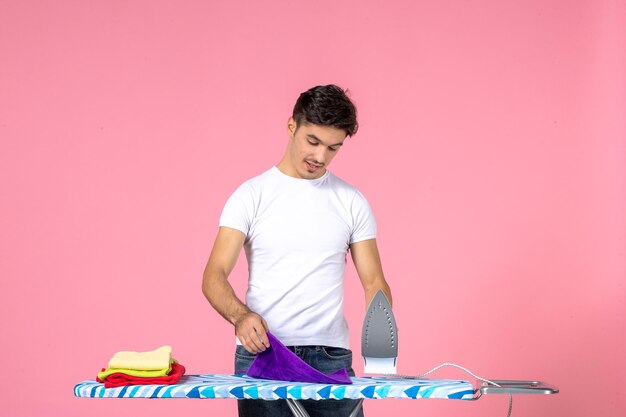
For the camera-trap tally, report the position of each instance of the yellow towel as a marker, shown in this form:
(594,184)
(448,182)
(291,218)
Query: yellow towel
(133,372)
(157,359)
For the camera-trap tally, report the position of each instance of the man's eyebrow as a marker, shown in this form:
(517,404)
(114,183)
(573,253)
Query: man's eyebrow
(312,136)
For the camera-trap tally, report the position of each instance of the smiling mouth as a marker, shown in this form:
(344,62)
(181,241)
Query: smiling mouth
(313,167)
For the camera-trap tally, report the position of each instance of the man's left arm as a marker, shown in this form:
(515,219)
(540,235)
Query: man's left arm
(367,263)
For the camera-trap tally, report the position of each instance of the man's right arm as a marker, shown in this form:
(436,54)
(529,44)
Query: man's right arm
(250,328)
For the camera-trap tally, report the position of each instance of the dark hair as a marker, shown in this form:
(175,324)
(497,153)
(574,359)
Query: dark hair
(326,105)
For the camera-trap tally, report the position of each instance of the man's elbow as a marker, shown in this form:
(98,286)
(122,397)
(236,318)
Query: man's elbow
(207,283)
(376,285)
(211,280)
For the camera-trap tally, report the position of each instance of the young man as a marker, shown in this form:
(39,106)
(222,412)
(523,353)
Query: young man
(297,222)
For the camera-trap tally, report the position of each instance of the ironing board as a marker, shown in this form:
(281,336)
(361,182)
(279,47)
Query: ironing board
(208,386)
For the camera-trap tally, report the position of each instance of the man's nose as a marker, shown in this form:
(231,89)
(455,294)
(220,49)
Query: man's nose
(321,155)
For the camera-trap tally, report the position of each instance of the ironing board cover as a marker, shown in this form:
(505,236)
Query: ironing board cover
(245,387)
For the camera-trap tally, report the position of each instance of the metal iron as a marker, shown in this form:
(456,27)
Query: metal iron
(379,337)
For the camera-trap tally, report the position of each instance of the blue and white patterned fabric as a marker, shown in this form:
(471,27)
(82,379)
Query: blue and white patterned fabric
(242,386)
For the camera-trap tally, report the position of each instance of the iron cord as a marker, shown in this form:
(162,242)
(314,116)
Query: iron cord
(454,365)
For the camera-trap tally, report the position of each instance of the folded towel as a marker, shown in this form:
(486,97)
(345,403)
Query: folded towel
(146,361)
(138,373)
(120,379)
(280,363)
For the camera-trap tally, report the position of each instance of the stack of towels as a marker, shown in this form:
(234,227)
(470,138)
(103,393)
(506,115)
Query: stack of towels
(139,368)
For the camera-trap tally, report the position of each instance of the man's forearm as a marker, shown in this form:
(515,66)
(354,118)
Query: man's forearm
(222,297)
(250,328)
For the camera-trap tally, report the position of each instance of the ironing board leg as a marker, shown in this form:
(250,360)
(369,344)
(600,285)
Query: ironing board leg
(357,408)
(296,408)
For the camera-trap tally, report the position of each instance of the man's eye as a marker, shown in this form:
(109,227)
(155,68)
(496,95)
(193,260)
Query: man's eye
(313,143)
(333,149)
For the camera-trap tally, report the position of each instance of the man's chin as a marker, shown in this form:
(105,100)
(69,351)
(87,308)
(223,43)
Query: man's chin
(312,175)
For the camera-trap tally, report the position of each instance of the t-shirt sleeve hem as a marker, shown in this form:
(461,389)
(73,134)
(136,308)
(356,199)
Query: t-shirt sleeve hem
(362,238)
(232,226)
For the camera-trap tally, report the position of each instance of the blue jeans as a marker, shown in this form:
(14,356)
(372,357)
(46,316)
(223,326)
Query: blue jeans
(323,358)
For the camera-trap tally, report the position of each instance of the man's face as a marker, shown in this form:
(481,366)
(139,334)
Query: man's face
(311,148)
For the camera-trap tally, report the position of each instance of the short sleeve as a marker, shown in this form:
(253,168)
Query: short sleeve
(239,209)
(364,223)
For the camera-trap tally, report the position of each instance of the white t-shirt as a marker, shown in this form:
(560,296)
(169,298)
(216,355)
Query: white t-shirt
(298,233)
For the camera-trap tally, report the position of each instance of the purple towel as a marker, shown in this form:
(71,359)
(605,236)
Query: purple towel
(278,362)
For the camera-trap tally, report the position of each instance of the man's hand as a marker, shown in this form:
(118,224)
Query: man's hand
(251,329)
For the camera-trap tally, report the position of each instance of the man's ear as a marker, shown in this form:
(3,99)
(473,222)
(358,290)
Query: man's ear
(292,126)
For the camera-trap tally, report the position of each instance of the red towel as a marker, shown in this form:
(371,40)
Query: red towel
(119,379)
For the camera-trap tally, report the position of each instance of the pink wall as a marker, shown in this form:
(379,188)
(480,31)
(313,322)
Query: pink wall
(491,149)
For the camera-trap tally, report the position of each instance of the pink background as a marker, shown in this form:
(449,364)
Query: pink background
(491,148)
